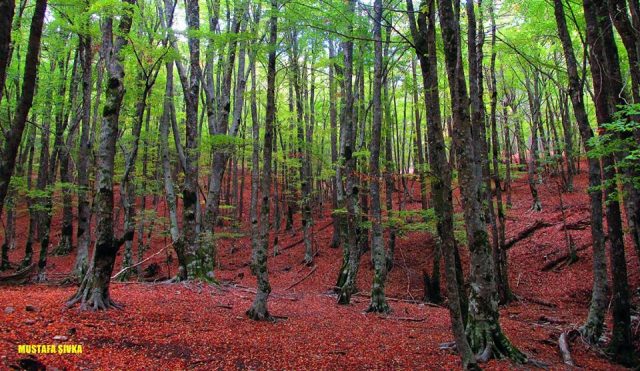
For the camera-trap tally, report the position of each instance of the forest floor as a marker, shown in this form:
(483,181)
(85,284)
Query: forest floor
(204,326)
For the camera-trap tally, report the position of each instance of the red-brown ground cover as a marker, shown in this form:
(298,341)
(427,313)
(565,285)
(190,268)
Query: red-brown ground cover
(199,326)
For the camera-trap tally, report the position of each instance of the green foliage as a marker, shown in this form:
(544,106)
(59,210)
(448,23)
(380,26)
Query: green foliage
(618,139)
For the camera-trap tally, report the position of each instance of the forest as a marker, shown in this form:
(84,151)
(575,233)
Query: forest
(320,184)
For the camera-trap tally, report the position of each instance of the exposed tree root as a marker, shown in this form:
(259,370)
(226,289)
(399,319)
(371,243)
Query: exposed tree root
(93,293)
(19,277)
(488,341)
(563,344)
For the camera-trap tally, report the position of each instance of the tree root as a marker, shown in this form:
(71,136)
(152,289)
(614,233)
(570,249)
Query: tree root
(91,295)
(563,344)
(488,341)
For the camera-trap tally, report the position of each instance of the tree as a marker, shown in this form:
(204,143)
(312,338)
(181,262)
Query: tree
(483,327)
(607,83)
(93,292)
(14,136)
(378,299)
(258,310)
(592,329)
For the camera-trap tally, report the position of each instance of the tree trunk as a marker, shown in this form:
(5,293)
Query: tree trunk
(424,36)
(607,83)
(93,292)
(258,310)
(14,136)
(483,327)
(593,326)
(378,299)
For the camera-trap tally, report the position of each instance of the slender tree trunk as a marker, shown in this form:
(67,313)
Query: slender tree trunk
(7,9)
(607,83)
(333,118)
(378,299)
(500,254)
(350,215)
(258,310)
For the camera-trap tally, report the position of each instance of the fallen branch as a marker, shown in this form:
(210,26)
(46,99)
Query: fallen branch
(410,301)
(539,224)
(303,278)
(410,319)
(541,302)
(140,262)
(298,242)
(563,344)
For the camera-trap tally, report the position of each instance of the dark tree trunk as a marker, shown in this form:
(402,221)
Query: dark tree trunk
(378,299)
(593,327)
(7,9)
(14,136)
(483,327)
(333,118)
(350,214)
(500,253)
(607,83)
(424,36)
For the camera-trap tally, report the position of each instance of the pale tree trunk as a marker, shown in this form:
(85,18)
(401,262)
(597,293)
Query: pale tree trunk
(93,292)
(378,299)
(258,310)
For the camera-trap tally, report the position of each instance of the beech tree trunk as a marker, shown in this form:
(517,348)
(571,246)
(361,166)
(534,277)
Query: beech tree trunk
(93,292)
(378,299)
(593,326)
(13,137)
(424,37)
(258,310)
(483,327)
(608,85)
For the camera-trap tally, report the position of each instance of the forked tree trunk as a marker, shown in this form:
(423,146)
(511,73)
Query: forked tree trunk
(424,36)
(483,327)
(93,292)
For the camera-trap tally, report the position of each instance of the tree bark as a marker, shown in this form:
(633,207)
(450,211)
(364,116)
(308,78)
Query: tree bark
(93,292)
(593,326)
(258,310)
(14,136)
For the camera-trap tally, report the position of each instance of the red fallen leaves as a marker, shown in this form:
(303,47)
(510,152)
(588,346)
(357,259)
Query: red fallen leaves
(180,326)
